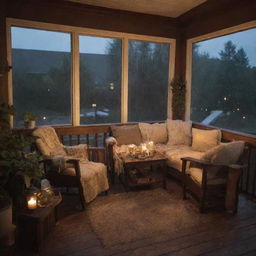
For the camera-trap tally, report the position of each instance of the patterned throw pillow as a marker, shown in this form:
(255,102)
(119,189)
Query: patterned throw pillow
(79,151)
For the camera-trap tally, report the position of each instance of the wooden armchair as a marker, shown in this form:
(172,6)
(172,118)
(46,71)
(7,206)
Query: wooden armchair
(215,174)
(73,166)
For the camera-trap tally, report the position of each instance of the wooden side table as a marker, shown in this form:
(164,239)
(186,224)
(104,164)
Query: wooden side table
(34,226)
(134,163)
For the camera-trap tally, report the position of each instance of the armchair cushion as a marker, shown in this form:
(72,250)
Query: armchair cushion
(127,134)
(93,178)
(179,132)
(153,132)
(203,140)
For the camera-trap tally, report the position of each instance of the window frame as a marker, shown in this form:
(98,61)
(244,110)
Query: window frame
(189,54)
(75,32)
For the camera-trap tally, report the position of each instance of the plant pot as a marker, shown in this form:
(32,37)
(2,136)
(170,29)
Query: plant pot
(6,227)
(30,124)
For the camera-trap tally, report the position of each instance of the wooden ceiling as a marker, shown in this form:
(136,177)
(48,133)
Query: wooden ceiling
(169,8)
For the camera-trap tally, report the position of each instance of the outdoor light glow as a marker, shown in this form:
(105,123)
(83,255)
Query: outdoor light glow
(111,86)
(225,98)
(44,117)
(243,117)
(238,109)
(94,105)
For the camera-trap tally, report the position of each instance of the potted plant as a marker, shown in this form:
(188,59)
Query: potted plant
(178,87)
(17,167)
(29,120)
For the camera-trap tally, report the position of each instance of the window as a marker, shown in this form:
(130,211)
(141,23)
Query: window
(148,81)
(224,81)
(69,75)
(41,63)
(100,79)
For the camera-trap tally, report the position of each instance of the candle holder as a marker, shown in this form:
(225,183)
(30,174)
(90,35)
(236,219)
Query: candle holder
(132,150)
(32,202)
(31,198)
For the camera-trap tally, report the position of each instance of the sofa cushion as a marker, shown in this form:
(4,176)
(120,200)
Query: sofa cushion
(175,153)
(127,134)
(153,132)
(203,140)
(197,174)
(179,132)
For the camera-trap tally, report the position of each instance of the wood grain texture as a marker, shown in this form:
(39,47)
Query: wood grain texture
(75,14)
(214,15)
(225,233)
(3,54)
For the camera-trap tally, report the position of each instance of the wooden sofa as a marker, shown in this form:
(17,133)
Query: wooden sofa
(177,158)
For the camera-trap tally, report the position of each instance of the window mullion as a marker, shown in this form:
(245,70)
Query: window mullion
(170,77)
(124,90)
(75,80)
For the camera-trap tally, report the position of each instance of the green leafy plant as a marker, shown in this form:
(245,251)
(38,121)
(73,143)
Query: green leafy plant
(5,112)
(178,87)
(18,166)
(28,116)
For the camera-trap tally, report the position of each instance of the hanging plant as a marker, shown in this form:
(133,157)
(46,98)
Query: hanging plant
(178,87)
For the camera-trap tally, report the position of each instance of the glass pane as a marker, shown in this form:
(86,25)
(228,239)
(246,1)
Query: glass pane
(100,79)
(224,82)
(148,81)
(41,75)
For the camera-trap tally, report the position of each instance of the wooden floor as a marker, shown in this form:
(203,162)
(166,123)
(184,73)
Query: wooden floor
(227,235)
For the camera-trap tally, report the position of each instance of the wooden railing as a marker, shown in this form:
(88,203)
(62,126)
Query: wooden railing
(91,135)
(95,135)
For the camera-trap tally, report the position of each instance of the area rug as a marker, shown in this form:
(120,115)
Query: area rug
(125,217)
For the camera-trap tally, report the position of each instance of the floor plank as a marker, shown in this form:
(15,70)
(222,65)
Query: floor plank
(225,235)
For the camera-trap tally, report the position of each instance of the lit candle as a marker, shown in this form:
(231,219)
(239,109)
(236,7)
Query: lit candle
(131,149)
(151,144)
(32,203)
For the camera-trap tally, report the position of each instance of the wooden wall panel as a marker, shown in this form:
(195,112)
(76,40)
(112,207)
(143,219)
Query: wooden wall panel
(215,15)
(75,14)
(3,55)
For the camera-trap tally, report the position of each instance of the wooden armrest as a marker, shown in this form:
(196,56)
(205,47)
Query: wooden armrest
(74,161)
(237,166)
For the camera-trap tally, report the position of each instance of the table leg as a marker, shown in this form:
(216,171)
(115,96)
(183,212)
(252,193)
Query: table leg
(126,183)
(164,170)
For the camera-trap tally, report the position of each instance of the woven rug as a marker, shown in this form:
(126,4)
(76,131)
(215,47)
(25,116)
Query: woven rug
(126,217)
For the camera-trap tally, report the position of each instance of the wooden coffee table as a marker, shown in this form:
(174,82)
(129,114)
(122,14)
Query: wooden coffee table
(156,161)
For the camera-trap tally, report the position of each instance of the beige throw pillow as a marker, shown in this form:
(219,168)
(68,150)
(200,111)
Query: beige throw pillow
(153,132)
(127,134)
(203,140)
(225,153)
(179,132)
